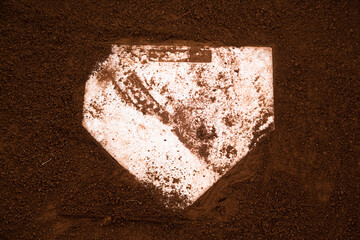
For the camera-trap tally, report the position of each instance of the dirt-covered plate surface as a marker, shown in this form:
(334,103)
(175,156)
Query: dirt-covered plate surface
(301,182)
(179,117)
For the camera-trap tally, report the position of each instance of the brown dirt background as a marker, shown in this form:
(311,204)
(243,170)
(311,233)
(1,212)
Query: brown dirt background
(300,183)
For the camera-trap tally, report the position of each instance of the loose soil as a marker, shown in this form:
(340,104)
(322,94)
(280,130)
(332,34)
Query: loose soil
(302,182)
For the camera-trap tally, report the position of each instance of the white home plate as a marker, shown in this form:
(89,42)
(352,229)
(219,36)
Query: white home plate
(180,117)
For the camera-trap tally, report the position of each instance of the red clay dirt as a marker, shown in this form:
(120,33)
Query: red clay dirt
(302,182)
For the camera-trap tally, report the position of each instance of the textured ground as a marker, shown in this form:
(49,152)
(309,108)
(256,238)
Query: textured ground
(300,183)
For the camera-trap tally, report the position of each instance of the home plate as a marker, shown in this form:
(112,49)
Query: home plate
(179,117)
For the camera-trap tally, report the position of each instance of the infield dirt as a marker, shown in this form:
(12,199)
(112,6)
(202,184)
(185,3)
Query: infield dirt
(302,182)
